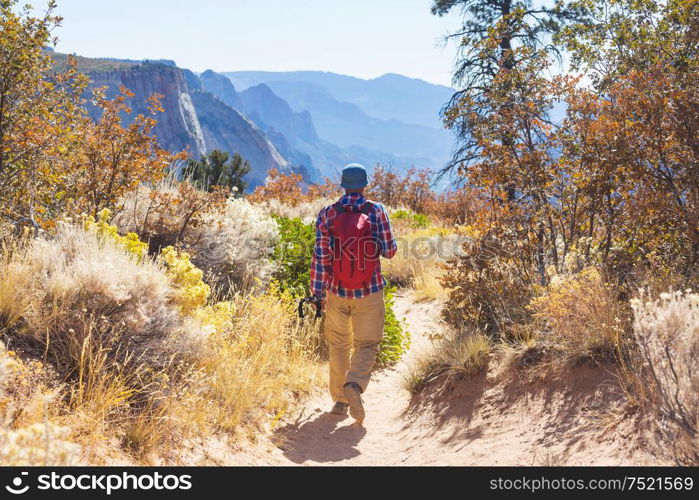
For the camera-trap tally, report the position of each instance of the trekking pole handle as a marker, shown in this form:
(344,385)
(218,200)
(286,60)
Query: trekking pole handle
(314,300)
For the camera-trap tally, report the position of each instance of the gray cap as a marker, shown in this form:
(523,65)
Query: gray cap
(354,176)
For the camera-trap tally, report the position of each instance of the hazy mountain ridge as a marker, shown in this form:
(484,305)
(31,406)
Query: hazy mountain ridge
(274,115)
(287,125)
(221,87)
(346,125)
(390,96)
(280,124)
(193,118)
(352,124)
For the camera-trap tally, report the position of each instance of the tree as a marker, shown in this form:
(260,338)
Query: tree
(615,185)
(619,36)
(114,159)
(286,188)
(640,152)
(637,131)
(214,170)
(40,112)
(495,36)
(328,189)
(54,160)
(411,189)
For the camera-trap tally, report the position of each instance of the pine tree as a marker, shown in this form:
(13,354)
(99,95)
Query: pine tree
(215,169)
(495,36)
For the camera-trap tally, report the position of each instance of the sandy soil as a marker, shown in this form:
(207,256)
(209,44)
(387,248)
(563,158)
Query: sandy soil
(495,419)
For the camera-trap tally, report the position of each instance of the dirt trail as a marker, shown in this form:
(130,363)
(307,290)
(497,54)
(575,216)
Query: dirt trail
(488,420)
(318,437)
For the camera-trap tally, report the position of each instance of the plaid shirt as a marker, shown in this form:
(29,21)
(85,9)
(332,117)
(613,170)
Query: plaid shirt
(321,262)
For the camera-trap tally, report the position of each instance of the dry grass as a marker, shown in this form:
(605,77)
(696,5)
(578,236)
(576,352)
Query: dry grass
(666,331)
(97,315)
(15,284)
(27,437)
(426,282)
(131,367)
(455,357)
(267,360)
(85,291)
(581,315)
(419,261)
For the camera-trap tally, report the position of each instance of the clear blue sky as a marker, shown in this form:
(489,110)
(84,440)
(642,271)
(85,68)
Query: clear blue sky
(364,38)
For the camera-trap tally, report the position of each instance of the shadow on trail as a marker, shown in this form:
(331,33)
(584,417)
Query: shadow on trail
(453,403)
(318,438)
(561,403)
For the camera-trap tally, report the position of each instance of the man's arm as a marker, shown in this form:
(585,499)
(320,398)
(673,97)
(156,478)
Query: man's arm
(321,260)
(384,233)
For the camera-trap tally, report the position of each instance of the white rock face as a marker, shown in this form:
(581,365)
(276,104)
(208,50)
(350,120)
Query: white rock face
(189,117)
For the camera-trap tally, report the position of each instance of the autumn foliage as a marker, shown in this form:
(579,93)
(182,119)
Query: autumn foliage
(39,112)
(587,187)
(613,185)
(283,187)
(54,160)
(113,159)
(161,306)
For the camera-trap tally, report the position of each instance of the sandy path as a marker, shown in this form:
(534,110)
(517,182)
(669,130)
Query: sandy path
(315,436)
(495,418)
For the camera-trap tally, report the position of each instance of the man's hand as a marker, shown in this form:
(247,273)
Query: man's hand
(320,301)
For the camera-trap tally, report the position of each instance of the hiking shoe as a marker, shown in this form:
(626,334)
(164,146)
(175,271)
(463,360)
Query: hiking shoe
(339,408)
(353,394)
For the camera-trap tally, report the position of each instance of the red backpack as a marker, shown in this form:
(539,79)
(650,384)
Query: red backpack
(355,251)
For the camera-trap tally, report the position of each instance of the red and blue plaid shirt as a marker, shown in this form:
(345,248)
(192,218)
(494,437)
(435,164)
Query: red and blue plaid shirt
(321,262)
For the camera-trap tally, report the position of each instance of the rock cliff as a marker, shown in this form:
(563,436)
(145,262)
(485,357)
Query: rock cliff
(194,119)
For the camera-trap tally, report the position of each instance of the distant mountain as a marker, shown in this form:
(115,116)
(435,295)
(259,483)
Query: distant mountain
(294,131)
(346,125)
(264,106)
(352,125)
(281,125)
(193,119)
(274,115)
(221,87)
(178,126)
(312,127)
(227,129)
(387,97)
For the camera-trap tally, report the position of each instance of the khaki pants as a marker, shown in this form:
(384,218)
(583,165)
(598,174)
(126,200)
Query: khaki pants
(365,317)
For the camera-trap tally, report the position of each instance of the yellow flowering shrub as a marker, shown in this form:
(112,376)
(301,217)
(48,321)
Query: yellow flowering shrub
(191,292)
(130,242)
(216,318)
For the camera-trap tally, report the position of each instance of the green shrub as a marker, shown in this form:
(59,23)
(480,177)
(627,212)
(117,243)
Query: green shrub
(416,221)
(396,337)
(292,255)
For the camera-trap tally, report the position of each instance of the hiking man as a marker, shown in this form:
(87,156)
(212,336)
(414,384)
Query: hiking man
(351,236)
